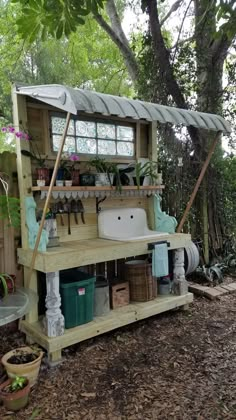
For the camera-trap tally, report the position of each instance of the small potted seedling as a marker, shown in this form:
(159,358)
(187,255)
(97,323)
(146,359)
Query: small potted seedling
(15,393)
(7,284)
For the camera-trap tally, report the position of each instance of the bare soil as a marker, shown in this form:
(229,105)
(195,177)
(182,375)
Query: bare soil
(179,365)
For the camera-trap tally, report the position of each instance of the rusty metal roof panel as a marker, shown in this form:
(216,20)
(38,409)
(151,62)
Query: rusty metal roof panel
(76,100)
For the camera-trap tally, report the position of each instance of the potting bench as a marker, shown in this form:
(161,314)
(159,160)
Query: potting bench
(34,109)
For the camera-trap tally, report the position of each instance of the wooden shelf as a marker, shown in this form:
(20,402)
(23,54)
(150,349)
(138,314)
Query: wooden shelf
(114,319)
(90,192)
(124,188)
(72,254)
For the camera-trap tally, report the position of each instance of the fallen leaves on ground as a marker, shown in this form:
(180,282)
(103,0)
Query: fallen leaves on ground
(178,365)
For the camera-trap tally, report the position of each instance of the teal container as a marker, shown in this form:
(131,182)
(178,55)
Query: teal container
(77,297)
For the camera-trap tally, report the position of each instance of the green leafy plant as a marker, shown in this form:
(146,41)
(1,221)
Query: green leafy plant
(10,210)
(101,165)
(9,206)
(145,169)
(4,277)
(18,383)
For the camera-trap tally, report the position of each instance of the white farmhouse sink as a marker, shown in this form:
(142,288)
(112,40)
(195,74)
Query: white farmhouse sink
(125,225)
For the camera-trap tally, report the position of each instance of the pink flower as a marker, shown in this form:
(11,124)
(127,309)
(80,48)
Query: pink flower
(11,129)
(4,129)
(19,134)
(74,157)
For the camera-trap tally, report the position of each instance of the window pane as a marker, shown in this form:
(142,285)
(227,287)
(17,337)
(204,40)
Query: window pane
(106,131)
(86,145)
(106,147)
(69,145)
(85,129)
(125,149)
(58,125)
(125,133)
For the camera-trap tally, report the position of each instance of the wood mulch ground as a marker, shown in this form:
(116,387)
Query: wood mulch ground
(179,365)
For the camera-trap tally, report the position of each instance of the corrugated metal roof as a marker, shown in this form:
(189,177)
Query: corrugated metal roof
(76,100)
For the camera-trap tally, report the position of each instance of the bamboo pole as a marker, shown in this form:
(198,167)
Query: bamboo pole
(48,196)
(198,183)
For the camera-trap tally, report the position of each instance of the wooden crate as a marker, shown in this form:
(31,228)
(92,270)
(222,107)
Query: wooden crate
(119,295)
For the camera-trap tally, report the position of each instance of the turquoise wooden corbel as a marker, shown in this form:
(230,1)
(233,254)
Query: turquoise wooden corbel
(33,226)
(163,222)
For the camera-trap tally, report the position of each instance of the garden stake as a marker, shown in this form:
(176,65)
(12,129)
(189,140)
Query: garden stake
(198,183)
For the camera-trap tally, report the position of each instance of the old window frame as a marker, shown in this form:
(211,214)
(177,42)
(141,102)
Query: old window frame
(96,120)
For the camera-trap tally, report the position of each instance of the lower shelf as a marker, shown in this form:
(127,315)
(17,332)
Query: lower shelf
(115,319)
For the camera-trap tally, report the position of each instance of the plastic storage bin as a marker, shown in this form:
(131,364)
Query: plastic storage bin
(77,297)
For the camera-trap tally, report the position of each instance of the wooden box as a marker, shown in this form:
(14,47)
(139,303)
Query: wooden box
(119,295)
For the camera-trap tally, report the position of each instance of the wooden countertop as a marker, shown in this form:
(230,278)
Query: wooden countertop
(91,251)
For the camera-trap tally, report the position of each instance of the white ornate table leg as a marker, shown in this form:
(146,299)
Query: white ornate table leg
(180,285)
(54,322)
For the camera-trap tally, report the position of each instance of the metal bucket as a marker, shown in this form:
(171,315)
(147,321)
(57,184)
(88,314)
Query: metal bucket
(101,297)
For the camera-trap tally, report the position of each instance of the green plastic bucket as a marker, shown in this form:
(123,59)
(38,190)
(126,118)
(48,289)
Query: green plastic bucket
(77,297)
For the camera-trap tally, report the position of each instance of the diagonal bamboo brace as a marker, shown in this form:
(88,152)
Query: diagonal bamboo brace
(48,197)
(198,183)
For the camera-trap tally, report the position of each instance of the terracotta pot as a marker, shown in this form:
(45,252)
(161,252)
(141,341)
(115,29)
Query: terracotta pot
(28,370)
(14,401)
(43,174)
(75,177)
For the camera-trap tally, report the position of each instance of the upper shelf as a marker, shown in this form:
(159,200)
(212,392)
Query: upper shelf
(91,192)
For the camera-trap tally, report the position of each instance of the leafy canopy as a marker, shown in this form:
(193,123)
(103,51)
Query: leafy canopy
(53,17)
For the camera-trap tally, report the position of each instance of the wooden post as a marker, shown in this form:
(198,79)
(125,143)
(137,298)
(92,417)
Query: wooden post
(49,195)
(198,183)
(152,155)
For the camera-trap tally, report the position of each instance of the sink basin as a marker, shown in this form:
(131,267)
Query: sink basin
(128,224)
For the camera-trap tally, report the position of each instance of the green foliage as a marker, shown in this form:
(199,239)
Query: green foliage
(10,210)
(42,18)
(18,383)
(102,165)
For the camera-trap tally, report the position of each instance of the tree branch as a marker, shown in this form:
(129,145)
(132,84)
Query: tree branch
(166,71)
(117,35)
(115,21)
(173,9)
(181,27)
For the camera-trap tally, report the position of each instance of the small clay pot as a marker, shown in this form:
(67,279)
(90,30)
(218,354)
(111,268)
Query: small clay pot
(16,400)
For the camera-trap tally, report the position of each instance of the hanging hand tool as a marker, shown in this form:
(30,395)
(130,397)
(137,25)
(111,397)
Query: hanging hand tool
(81,210)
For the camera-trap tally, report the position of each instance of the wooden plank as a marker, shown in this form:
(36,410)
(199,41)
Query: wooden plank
(100,325)
(152,155)
(197,289)
(209,292)
(91,251)
(213,294)
(23,162)
(232,285)
(138,141)
(228,288)
(223,290)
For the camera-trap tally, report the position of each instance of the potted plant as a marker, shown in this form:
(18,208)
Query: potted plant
(105,171)
(23,361)
(67,177)
(75,172)
(42,171)
(142,170)
(15,393)
(7,284)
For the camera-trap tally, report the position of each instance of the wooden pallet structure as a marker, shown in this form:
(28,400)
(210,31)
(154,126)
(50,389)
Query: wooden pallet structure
(212,292)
